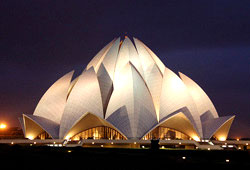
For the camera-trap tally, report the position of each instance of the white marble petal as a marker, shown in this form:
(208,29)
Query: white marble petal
(202,101)
(131,108)
(84,97)
(175,96)
(52,104)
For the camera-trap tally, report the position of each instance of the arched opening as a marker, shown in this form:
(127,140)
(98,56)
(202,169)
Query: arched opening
(222,133)
(32,129)
(90,123)
(165,133)
(36,127)
(177,126)
(100,132)
(44,135)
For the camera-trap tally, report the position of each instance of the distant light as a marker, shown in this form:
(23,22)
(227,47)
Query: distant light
(69,151)
(163,147)
(30,144)
(102,146)
(237,139)
(197,147)
(2,126)
(208,149)
(183,157)
(240,148)
(246,143)
(93,143)
(12,143)
(179,143)
(34,143)
(54,142)
(227,160)
(230,146)
(112,143)
(143,146)
(134,142)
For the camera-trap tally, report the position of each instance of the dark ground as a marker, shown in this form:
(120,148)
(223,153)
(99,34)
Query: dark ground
(40,157)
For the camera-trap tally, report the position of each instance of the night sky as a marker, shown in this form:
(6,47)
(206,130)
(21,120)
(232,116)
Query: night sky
(208,40)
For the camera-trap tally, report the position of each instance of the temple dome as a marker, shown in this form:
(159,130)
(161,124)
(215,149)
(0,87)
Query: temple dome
(128,89)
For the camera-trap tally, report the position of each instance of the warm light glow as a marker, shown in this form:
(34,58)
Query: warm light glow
(227,160)
(196,138)
(67,137)
(30,137)
(222,138)
(176,82)
(183,157)
(2,126)
(208,149)
(69,151)
(237,139)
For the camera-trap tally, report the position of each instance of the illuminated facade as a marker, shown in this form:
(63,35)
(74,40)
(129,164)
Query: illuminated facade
(101,132)
(125,92)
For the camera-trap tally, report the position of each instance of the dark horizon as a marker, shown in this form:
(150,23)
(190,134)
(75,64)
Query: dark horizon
(209,41)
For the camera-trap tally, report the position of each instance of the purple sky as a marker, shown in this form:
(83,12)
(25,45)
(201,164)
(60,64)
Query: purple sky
(208,40)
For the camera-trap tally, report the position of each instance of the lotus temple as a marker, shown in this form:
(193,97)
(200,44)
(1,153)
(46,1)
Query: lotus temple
(125,94)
